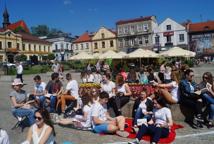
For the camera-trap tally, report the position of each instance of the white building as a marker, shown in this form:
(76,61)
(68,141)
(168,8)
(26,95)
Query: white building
(169,34)
(61,47)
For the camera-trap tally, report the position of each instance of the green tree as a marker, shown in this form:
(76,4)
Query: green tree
(21,57)
(51,56)
(40,30)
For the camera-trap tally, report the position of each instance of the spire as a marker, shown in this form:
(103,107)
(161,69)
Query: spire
(6,20)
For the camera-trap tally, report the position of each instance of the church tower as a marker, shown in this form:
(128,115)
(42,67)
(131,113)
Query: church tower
(6,20)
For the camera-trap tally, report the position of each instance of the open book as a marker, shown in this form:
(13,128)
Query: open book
(198,92)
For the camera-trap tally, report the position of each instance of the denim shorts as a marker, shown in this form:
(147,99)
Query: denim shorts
(102,128)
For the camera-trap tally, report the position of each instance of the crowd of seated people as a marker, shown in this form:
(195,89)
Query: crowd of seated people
(172,85)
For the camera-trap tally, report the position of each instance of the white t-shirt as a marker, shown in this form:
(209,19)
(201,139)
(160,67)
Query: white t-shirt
(97,78)
(161,115)
(91,78)
(98,111)
(73,87)
(107,87)
(55,68)
(19,69)
(174,91)
(143,106)
(40,88)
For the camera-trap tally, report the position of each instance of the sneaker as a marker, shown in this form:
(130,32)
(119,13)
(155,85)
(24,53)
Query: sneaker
(198,118)
(135,129)
(122,133)
(134,142)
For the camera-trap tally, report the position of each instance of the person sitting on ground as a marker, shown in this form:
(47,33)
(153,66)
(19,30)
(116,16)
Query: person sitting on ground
(159,126)
(42,132)
(143,79)
(39,91)
(20,105)
(169,90)
(142,109)
(207,93)
(70,94)
(189,98)
(101,120)
(53,89)
(122,95)
(81,121)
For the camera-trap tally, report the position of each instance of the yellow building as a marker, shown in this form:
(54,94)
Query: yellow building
(16,39)
(10,45)
(104,40)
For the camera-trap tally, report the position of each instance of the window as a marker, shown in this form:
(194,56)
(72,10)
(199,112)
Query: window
(168,39)
(17,45)
(95,46)
(157,39)
(103,44)
(146,39)
(168,27)
(126,42)
(61,45)
(9,44)
(140,42)
(132,42)
(77,47)
(34,47)
(23,47)
(132,30)
(0,45)
(39,47)
(29,47)
(67,46)
(139,28)
(82,47)
(126,30)
(111,43)
(120,30)
(56,47)
(181,37)
(103,35)
(145,27)
(120,43)
(87,46)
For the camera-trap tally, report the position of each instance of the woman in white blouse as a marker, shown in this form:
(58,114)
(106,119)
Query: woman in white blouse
(159,126)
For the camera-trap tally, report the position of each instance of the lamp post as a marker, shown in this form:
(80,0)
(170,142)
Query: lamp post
(157,41)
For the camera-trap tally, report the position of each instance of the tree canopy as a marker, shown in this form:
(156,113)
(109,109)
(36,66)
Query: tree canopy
(44,30)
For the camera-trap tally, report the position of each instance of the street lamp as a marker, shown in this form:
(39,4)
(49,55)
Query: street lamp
(157,41)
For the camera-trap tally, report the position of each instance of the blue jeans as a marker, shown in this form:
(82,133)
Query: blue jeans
(42,101)
(152,130)
(210,101)
(53,103)
(29,113)
(139,115)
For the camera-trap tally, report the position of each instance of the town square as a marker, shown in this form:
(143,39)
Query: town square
(106,72)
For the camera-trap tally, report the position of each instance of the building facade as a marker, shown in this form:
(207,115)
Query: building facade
(15,39)
(169,34)
(10,45)
(104,40)
(135,33)
(61,47)
(83,44)
(201,38)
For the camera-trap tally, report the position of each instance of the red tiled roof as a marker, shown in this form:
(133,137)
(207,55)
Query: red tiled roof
(20,23)
(84,38)
(30,38)
(134,20)
(203,26)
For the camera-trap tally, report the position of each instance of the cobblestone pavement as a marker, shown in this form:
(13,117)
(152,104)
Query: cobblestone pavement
(184,135)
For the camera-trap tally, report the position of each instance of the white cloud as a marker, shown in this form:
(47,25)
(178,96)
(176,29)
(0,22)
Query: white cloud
(67,2)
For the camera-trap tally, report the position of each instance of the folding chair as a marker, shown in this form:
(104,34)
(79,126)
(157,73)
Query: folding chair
(19,122)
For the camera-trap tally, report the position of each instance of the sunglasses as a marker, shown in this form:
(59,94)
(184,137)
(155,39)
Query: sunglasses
(39,118)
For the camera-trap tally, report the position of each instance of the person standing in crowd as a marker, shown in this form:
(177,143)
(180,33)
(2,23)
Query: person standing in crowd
(159,126)
(20,106)
(42,132)
(55,67)
(19,70)
(101,120)
(4,138)
(39,90)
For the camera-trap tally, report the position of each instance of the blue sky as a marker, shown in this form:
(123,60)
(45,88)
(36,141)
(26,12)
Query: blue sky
(78,16)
